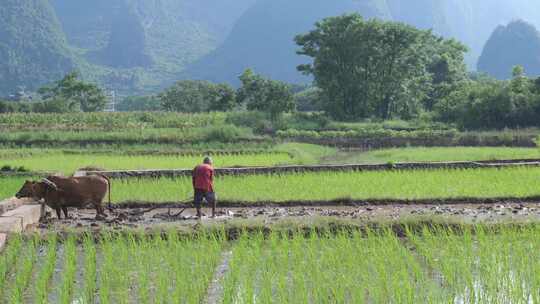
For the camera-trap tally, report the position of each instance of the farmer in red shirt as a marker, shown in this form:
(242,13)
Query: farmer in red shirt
(203,178)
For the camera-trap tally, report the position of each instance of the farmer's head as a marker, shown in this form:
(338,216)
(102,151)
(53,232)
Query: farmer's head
(207,160)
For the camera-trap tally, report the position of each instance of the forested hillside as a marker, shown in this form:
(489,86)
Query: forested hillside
(33,49)
(142,46)
(515,44)
(132,46)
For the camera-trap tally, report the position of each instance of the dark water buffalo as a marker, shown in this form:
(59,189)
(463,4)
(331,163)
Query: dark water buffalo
(60,192)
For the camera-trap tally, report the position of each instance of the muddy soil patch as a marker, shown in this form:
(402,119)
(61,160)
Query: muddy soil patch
(141,218)
(345,202)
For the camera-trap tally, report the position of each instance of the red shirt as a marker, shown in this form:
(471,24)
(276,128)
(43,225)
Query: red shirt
(203,178)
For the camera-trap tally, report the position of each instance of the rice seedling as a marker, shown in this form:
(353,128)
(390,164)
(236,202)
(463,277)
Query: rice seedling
(123,270)
(160,271)
(106,278)
(143,267)
(487,266)
(342,269)
(435,265)
(23,273)
(67,285)
(44,276)
(8,258)
(90,274)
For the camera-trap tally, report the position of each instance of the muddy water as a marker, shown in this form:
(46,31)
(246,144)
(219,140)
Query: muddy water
(144,218)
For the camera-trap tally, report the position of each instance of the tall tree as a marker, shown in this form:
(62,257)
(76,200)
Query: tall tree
(266,95)
(447,68)
(374,68)
(77,94)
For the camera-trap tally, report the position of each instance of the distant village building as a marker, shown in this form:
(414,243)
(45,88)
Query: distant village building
(21,95)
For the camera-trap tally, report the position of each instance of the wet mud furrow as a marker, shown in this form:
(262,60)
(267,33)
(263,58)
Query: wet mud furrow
(346,202)
(493,213)
(215,291)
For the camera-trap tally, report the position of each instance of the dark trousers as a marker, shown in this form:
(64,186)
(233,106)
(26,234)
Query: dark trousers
(200,195)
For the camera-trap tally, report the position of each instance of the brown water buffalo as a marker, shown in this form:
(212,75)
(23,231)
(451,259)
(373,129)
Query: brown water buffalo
(60,192)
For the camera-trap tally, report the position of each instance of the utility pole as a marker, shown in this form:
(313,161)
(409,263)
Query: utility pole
(111,101)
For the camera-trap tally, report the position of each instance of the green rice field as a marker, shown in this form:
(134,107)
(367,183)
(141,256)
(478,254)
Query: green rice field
(69,162)
(115,270)
(512,182)
(437,265)
(434,154)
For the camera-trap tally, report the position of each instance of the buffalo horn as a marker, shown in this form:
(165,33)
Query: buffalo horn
(49,183)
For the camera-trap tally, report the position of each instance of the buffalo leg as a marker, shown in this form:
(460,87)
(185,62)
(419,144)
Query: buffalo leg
(65,209)
(58,212)
(42,212)
(100,212)
(99,209)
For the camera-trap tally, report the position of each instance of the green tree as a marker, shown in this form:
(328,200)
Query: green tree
(198,96)
(490,103)
(308,100)
(265,95)
(375,68)
(77,94)
(7,107)
(52,105)
(447,67)
(222,98)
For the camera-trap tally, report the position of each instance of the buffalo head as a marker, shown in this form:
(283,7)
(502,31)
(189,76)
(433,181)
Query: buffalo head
(36,190)
(27,190)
